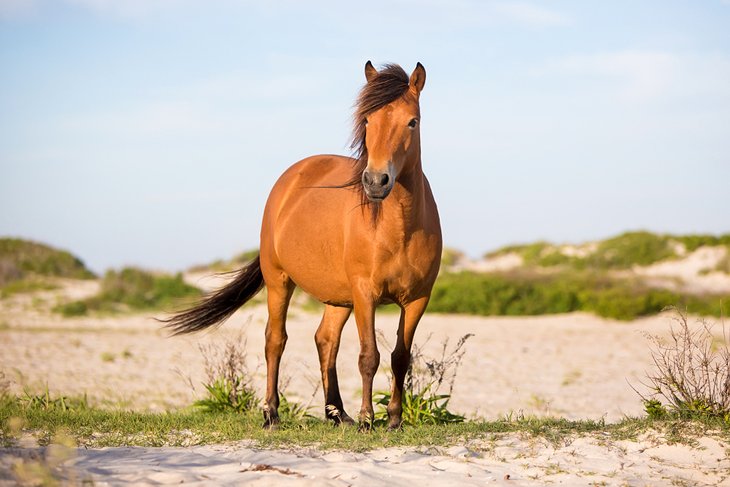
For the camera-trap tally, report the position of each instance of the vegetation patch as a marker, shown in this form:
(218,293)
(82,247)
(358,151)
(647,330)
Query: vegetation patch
(26,266)
(529,293)
(95,428)
(424,401)
(692,374)
(26,285)
(621,252)
(132,289)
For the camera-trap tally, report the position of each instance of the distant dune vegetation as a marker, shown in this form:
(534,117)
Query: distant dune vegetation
(628,276)
(624,277)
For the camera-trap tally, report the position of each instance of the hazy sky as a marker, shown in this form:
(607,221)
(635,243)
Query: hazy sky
(150,132)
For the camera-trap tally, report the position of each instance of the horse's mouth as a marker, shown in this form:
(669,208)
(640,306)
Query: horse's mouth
(377,198)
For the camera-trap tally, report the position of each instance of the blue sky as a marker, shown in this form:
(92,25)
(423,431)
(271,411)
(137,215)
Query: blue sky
(149,132)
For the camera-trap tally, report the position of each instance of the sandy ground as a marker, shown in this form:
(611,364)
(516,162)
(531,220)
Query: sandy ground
(577,366)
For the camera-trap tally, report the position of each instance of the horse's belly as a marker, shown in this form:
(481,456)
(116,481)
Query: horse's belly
(317,269)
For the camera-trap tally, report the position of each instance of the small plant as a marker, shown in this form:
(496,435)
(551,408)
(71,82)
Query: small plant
(228,385)
(227,395)
(692,374)
(46,402)
(423,403)
(108,357)
(292,410)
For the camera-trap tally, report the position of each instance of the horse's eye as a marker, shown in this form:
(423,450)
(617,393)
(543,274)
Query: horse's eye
(413,123)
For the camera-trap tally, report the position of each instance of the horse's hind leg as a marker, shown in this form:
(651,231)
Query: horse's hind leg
(328,343)
(279,294)
(401,357)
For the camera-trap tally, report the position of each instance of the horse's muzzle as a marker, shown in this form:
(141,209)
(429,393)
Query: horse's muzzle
(377,185)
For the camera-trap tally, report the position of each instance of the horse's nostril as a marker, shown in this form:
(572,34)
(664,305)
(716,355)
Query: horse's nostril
(384,179)
(367,179)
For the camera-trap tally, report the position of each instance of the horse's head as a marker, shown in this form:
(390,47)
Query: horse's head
(387,132)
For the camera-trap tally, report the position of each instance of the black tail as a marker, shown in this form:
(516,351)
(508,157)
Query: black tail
(217,307)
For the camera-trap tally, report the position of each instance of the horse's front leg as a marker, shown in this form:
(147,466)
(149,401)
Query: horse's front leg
(401,357)
(328,343)
(369,359)
(278,297)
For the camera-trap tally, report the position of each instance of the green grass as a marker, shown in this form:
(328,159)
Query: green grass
(93,427)
(521,294)
(20,258)
(132,289)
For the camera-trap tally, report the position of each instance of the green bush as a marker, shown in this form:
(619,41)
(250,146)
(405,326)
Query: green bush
(519,294)
(132,289)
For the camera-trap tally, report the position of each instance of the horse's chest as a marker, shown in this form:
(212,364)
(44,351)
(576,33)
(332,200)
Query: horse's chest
(406,268)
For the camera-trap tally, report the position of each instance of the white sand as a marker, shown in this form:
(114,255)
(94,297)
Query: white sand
(576,366)
(498,460)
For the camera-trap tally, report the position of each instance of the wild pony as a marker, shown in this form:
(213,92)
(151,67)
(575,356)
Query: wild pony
(353,233)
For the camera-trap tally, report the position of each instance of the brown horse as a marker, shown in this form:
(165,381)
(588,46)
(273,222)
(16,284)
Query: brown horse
(353,233)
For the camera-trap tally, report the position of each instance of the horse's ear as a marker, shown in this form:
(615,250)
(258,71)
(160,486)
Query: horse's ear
(418,78)
(370,71)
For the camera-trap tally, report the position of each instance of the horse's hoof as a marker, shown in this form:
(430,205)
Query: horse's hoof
(365,426)
(271,422)
(395,427)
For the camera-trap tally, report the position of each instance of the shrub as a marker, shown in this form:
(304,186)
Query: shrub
(524,293)
(692,374)
(228,381)
(423,402)
(134,289)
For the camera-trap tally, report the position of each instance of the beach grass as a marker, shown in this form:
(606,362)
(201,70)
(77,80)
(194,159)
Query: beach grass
(96,427)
